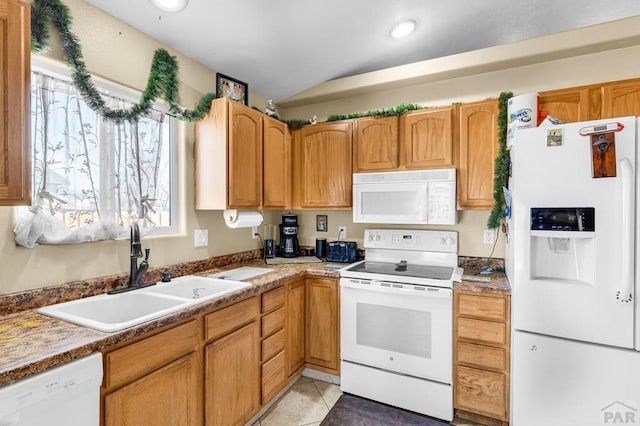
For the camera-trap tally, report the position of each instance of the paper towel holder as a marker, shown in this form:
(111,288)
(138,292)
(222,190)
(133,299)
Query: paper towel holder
(241,219)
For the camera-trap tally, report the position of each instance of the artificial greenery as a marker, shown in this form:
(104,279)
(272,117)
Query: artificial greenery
(385,112)
(162,82)
(502,162)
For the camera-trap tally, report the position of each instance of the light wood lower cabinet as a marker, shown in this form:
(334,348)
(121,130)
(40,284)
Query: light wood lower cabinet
(322,335)
(274,375)
(155,381)
(232,364)
(481,356)
(220,368)
(295,326)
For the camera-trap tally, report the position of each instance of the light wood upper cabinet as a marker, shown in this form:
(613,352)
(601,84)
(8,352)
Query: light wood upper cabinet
(621,99)
(228,157)
(322,165)
(567,105)
(323,324)
(426,138)
(478,150)
(15,73)
(277,164)
(376,144)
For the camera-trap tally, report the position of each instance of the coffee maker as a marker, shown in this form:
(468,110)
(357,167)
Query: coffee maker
(288,246)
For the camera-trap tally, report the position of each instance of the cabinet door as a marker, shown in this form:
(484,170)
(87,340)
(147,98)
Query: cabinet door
(322,323)
(478,150)
(482,392)
(169,396)
(567,105)
(295,326)
(245,156)
(277,164)
(376,144)
(426,138)
(325,171)
(15,43)
(232,377)
(621,99)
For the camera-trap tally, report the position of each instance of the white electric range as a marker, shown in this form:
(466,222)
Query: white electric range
(396,320)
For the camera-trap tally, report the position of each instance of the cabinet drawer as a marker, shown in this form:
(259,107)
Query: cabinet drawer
(273,299)
(494,333)
(273,322)
(226,320)
(140,358)
(273,377)
(481,392)
(272,345)
(484,307)
(482,356)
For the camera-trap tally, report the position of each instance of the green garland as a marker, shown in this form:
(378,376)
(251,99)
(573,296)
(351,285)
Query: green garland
(384,112)
(501,174)
(162,80)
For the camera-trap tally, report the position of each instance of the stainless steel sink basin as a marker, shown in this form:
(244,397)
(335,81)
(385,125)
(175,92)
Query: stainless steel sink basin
(115,312)
(196,289)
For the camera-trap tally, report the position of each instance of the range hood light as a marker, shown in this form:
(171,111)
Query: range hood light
(170,5)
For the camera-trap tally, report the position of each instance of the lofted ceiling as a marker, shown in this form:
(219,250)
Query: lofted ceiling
(283,47)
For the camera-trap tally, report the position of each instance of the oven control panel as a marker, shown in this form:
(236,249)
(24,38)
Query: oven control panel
(413,239)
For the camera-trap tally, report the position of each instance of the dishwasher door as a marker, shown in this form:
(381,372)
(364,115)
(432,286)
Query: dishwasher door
(67,395)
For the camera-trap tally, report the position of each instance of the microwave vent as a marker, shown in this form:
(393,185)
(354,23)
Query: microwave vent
(408,176)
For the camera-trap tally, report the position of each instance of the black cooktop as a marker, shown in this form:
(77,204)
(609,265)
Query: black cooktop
(404,270)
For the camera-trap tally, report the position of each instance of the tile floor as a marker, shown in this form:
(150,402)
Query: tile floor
(305,404)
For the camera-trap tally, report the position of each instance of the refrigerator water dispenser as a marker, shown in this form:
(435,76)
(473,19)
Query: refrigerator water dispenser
(563,244)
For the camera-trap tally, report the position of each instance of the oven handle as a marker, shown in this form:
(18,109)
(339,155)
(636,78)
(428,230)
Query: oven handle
(430,292)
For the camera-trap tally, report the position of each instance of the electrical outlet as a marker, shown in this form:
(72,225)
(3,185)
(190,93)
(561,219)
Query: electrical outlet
(201,237)
(254,232)
(488,236)
(342,231)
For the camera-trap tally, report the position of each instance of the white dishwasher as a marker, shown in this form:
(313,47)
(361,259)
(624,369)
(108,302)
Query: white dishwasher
(67,395)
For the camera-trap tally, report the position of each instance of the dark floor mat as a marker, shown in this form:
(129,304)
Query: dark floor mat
(352,410)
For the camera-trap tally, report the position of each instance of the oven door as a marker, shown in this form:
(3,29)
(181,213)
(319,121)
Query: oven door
(405,329)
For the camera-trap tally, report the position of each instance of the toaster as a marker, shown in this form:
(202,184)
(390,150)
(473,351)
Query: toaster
(341,251)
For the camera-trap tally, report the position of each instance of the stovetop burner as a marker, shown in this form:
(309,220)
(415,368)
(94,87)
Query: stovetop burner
(404,269)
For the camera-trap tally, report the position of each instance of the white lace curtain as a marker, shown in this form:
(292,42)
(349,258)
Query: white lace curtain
(90,177)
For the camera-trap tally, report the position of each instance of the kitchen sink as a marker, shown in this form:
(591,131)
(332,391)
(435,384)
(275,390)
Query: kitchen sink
(115,312)
(196,289)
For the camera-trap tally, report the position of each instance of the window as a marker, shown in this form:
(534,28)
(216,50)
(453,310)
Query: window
(92,177)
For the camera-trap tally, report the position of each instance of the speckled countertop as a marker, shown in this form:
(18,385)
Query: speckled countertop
(31,343)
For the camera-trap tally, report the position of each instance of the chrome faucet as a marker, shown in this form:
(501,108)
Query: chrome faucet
(137,272)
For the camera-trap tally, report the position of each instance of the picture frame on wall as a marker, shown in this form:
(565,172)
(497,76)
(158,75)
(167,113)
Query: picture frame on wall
(321,223)
(231,88)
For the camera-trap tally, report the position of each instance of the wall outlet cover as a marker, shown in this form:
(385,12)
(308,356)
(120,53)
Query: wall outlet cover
(488,236)
(201,237)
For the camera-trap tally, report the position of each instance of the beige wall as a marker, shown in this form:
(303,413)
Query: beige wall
(119,53)
(617,64)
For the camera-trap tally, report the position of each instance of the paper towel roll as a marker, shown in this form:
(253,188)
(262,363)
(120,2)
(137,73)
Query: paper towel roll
(242,219)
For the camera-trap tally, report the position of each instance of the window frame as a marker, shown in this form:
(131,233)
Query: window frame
(59,71)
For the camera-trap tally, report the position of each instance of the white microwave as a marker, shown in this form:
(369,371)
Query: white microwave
(421,197)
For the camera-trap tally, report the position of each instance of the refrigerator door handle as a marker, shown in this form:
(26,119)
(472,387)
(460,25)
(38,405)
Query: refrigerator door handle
(625,294)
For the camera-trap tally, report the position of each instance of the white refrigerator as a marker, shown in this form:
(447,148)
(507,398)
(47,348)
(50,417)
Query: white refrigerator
(571,260)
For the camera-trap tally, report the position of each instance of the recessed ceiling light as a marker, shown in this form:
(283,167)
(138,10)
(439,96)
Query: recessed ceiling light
(170,5)
(403,29)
